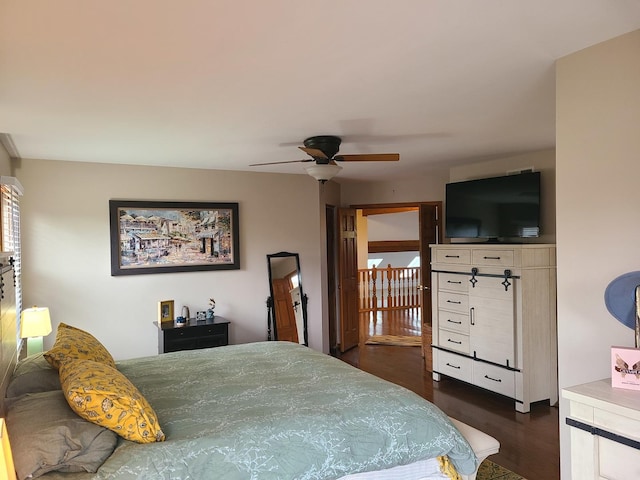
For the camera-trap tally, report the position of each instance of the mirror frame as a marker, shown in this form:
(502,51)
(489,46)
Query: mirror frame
(272,324)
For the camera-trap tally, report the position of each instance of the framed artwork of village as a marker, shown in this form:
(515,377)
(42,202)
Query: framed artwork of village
(163,237)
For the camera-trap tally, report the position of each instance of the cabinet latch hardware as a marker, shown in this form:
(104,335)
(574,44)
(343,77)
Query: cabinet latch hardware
(474,280)
(506,282)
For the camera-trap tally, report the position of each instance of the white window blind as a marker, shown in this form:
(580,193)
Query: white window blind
(10,192)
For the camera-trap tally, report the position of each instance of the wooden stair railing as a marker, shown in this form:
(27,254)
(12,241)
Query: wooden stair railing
(390,288)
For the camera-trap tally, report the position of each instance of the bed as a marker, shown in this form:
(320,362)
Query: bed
(265,410)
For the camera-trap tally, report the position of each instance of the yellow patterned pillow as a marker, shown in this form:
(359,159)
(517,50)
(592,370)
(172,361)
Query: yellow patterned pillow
(72,343)
(104,396)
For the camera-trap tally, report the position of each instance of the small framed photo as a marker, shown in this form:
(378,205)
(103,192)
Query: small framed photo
(165,311)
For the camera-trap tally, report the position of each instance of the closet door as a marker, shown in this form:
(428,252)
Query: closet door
(492,321)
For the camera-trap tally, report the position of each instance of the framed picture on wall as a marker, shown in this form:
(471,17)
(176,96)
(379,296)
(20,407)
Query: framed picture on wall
(164,237)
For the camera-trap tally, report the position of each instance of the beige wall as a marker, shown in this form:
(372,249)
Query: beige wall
(426,188)
(598,116)
(5,162)
(66,260)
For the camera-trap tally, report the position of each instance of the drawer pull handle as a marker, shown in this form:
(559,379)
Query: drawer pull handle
(453,366)
(452,256)
(492,258)
(453,341)
(453,321)
(472,316)
(494,379)
(455,283)
(452,301)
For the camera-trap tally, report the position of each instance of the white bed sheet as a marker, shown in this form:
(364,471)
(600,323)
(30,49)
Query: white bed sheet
(422,470)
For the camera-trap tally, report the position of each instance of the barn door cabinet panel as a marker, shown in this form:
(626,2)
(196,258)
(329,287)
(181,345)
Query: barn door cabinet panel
(494,318)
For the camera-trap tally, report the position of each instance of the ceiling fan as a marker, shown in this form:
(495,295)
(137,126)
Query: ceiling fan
(323,150)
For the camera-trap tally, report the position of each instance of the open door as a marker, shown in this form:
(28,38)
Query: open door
(429,233)
(348,279)
(285,315)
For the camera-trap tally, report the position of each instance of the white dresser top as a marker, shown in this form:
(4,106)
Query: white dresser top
(600,394)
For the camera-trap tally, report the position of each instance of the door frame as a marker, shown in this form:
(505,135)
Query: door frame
(386,208)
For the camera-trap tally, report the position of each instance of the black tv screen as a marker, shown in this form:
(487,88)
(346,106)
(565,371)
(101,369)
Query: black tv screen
(494,208)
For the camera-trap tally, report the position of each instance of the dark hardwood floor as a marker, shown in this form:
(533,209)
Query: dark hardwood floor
(529,443)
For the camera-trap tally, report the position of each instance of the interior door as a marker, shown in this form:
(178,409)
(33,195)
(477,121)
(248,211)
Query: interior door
(348,279)
(429,233)
(285,315)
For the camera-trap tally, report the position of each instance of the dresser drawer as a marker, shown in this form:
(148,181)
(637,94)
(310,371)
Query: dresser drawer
(458,322)
(455,366)
(617,461)
(453,281)
(455,256)
(494,378)
(497,258)
(193,336)
(457,302)
(453,341)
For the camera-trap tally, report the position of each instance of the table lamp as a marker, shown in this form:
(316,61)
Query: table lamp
(7,469)
(35,323)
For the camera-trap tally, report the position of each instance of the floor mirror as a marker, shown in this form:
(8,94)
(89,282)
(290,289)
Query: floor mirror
(287,305)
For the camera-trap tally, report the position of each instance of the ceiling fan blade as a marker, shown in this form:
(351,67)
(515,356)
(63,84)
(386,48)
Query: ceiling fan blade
(314,152)
(368,157)
(277,163)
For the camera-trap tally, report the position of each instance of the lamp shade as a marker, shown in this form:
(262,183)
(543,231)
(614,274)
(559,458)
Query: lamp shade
(7,469)
(323,172)
(35,322)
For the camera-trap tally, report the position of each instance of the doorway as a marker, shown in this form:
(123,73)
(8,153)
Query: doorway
(415,320)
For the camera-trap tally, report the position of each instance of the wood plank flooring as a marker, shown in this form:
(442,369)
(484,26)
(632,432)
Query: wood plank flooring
(529,443)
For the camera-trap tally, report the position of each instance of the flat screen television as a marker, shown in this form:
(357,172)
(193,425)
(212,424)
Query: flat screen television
(497,208)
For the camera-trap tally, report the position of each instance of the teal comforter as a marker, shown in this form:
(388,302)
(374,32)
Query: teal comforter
(276,411)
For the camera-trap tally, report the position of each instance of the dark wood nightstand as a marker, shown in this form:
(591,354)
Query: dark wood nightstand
(193,335)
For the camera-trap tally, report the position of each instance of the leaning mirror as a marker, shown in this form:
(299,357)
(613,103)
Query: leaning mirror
(287,318)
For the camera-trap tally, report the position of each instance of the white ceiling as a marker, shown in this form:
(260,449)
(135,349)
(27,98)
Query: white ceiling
(226,83)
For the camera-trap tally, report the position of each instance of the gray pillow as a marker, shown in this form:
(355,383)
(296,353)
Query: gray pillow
(46,435)
(33,374)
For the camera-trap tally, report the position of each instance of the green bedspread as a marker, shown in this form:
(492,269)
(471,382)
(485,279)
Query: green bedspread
(277,410)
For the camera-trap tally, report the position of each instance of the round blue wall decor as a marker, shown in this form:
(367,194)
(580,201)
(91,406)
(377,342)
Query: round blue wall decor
(620,298)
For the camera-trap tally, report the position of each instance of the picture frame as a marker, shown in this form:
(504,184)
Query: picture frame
(165,237)
(165,311)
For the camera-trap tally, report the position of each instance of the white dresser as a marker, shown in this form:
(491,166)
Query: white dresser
(605,431)
(494,318)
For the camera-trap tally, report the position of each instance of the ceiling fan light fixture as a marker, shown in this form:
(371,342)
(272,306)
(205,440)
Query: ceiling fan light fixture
(323,172)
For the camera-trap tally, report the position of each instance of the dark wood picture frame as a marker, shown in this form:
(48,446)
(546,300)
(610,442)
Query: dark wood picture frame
(165,237)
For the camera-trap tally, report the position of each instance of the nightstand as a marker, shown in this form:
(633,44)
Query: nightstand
(193,335)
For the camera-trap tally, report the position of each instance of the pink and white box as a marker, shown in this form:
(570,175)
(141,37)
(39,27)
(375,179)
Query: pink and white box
(625,368)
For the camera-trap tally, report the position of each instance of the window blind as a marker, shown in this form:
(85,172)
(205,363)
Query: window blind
(10,192)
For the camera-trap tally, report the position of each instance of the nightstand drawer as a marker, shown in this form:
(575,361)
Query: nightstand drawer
(194,335)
